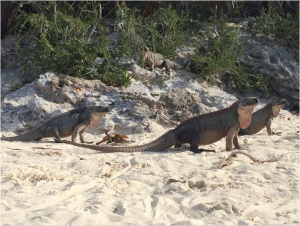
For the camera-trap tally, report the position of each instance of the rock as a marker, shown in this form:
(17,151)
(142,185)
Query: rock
(127,61)
(145,126)
(180,116)
(24,113)
(141,111)
(201,184)
(149,101)
(139,88)
(216,99)
(278,63)
(99,60)
(179,99)
(140,73)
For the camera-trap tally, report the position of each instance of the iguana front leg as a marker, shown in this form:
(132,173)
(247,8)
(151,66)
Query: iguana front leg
(231,139)
(79,130)
(268,125)
(269,129)
(81,136)
(151,64)
(236,142)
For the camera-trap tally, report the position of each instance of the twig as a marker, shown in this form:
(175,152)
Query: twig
(46,148)
(233,154)
(12,148)
(174,123)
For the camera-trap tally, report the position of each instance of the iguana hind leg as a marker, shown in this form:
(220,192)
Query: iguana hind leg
(166,65)
(195,143)
(230,139)
(52,132)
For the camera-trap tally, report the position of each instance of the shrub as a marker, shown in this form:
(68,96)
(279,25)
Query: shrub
(162,32)
(222,53)
(63,43)
(279,26)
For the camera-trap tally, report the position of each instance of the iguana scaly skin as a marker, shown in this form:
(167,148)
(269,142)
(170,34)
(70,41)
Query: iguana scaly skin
(157,60)
(70,123)
(263,118)
(199,130)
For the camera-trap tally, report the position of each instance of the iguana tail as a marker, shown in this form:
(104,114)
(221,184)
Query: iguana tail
(30,135)
(165,141)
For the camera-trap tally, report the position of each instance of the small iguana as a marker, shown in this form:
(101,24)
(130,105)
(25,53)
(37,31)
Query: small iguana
(263,118)
(157,60)
(199,130)
(66,124)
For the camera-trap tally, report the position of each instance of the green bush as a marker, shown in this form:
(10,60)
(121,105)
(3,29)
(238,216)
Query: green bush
(281,27)
(162,32)
(222,53)
(63,44)
(63,41)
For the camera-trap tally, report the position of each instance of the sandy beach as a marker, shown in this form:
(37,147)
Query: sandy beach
(67,185)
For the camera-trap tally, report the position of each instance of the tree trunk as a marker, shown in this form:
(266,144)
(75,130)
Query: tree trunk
(9,11)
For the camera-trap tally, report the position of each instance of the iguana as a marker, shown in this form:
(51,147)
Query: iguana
(66,124)
(199,130)
(263,118)
(157,60)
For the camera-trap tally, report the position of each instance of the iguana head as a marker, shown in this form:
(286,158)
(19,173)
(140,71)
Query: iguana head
(97,114)
(276,106)
(245,110)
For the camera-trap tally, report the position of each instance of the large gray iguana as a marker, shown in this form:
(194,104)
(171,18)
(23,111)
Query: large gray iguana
(199,130)
(73,123)
(157,60)
(263,118)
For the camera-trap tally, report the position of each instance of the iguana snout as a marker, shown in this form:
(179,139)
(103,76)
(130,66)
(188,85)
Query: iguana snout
(101,109)
(277,104)
(245,110)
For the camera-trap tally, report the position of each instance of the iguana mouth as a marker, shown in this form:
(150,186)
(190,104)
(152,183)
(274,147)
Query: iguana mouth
(277,107)
(280,102)
(101,109)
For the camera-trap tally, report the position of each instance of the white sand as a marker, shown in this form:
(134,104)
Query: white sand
(55,187)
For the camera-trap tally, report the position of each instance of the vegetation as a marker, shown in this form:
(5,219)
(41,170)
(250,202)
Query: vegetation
(221,53)
(274,23)
(69,36)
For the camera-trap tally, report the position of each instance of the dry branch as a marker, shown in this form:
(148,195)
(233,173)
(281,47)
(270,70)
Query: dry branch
(168,120)
(46,148)
(227,161)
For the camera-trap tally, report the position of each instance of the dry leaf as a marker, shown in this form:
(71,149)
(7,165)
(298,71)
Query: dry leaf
(117,138)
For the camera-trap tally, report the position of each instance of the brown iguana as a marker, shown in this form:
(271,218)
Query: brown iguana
(157,60)
(263,118)
(199,130)
(63,125)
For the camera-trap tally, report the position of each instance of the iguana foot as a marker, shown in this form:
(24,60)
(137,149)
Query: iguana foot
(276,133)
(88,142)
(57,140)
(203,150)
